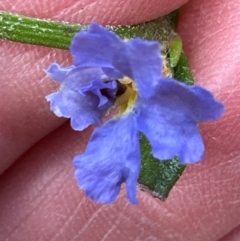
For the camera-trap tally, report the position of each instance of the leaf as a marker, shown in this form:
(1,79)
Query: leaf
(182,71)
(157,177)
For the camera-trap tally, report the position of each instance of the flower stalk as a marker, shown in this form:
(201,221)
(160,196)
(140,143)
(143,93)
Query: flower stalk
(56,34)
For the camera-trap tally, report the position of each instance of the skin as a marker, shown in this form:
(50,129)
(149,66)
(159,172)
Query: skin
(39,198)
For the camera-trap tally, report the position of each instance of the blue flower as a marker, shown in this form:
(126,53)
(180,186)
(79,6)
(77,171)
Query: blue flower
(109,72)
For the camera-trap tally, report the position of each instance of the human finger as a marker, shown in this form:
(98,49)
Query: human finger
(204,204)
(234,235)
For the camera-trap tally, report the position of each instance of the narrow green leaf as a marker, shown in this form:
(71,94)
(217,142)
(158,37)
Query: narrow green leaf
(182,71)
(157,177)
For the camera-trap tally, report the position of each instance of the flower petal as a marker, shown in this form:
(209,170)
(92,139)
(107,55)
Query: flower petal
(79,78)
(113,73)
(111,158)
(106,92)
(95,47)
(141,61)
(58,73)
(81,109)
(179,139)
(169,119)
(207,107)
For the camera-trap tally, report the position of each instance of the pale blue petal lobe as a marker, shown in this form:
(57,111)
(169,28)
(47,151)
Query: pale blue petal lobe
(206,108)
(170,118)
(81,77)
(111,158)
(95,47)
(105,91)
(58,73)
(140,60)
(81,109)
(195,101)
(112,73)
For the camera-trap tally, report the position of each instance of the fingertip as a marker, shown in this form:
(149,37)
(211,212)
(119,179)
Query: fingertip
(112,12)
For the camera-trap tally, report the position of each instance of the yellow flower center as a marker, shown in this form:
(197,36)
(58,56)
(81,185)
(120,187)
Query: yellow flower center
(127,100)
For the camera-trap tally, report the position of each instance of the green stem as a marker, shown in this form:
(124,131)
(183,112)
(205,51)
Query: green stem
(37,31)
(59,34)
